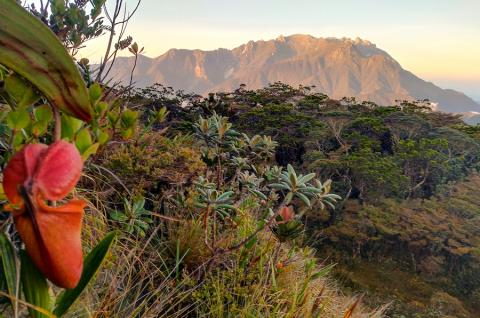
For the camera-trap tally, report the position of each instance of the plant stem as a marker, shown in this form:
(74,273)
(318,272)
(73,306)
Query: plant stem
(58,125)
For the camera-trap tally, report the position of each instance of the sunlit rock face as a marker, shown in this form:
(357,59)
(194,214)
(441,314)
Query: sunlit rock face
(337,67)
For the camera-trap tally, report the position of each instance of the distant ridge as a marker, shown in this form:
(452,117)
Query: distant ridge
(337,67)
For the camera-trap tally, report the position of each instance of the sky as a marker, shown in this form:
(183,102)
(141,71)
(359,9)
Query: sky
(438,40)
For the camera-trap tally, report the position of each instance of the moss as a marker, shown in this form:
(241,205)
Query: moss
(153,161)
(434,244)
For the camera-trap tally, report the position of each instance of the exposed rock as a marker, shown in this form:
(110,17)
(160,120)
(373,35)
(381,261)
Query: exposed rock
(337,67)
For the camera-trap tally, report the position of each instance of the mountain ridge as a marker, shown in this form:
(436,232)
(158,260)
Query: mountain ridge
(337,67)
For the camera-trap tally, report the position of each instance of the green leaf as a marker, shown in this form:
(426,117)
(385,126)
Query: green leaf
(90,151)
(148,220)
(70,126)
(97,8)
(142,225)
(21,91)
(39,128)
(138,205)
(103,137)
(18,119)
(224,196)
(312,190)
(118,216)
(304,198)
(290,169)
(129,118)
(9,269)
(259,194)
(113,118)
(91,264)
(101,108)
(279,186)
(35,288)
(32,50)
(293,179)
(127,133)
(43,113)
(83,140)
(330,204)
(17,140)
(58,7)
(288,198)
(95,92)
(305,179)
(226,206)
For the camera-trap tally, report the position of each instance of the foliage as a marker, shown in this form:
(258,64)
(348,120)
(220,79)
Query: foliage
(430,243)
(133,217)
(46,65)
(215,199)
(37,70)
(152,161)
(372,168)
(73,22)
(372,153)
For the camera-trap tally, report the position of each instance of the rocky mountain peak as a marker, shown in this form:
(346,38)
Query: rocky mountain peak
(338,67)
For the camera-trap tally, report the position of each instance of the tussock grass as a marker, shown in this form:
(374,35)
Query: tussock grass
(171,273)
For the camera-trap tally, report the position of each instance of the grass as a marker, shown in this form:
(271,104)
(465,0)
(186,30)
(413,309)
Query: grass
(171,273)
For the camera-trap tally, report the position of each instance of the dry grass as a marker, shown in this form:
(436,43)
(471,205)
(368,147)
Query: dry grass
(171,272)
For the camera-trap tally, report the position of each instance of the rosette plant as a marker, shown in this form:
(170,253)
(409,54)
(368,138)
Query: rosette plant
(300,186)
(41,76)
(287,225)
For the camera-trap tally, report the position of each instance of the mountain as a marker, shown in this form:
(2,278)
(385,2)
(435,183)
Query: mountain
(337,67)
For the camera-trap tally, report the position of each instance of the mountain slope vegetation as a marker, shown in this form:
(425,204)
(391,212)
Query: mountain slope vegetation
(274,202)
(408,180)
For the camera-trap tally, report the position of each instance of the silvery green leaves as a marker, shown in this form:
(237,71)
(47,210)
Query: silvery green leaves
(213,130)
(304,187)
(325,197)
(252,183)
(272,173)
(220,202)
(251,152)
(288,230)
(134,218)
(257,147)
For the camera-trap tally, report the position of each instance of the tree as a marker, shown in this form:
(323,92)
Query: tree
(375,175)
(405,126)
(425,163)
(74,22)
(336,122)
